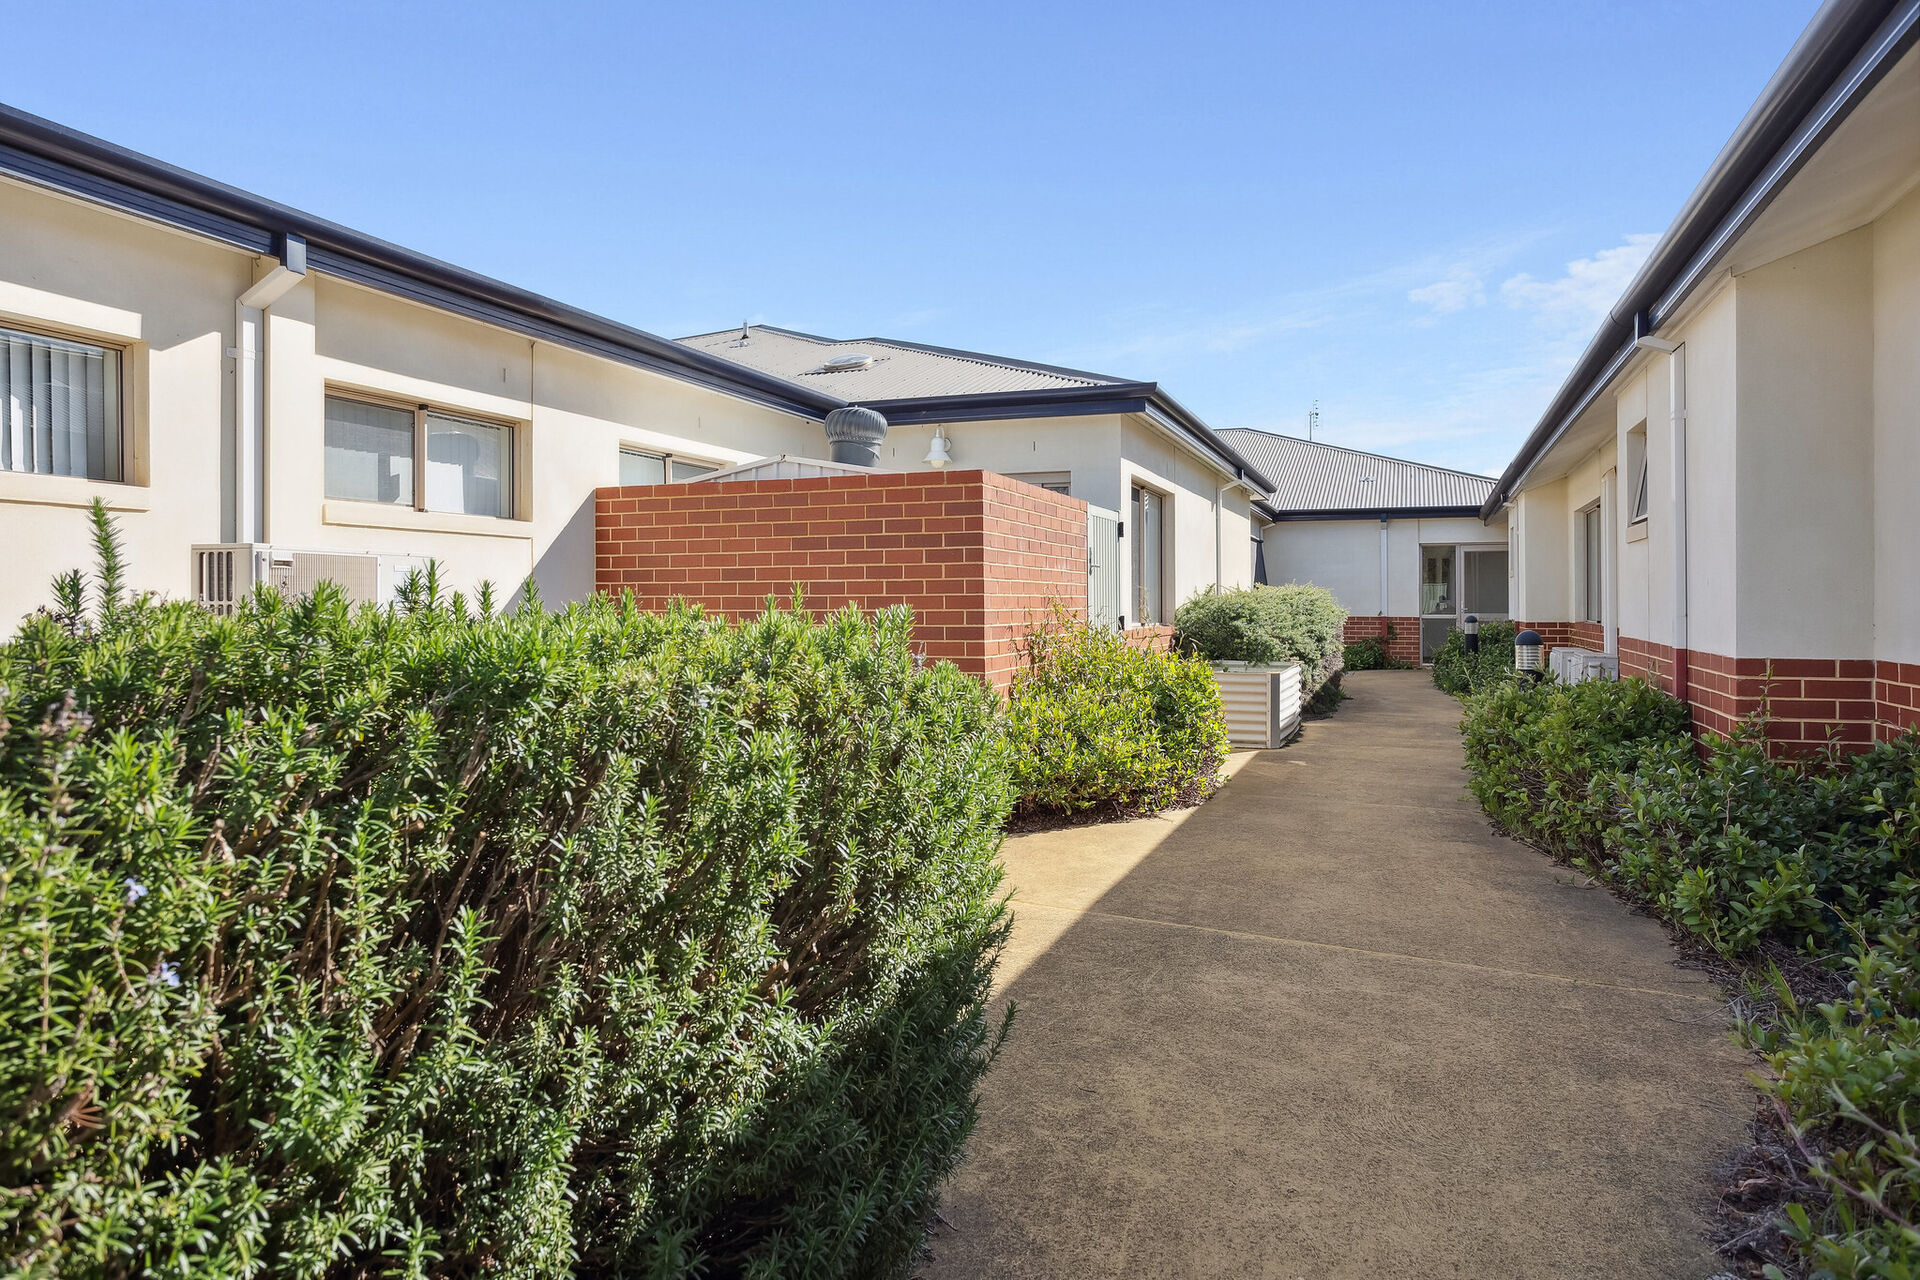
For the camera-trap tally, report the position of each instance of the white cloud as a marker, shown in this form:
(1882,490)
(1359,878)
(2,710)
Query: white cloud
(1577,299)
(1461,289)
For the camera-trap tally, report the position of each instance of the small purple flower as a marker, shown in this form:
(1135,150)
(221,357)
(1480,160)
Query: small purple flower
(168,973)
(135,891)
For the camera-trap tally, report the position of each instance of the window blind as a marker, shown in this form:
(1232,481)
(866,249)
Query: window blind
(59,407)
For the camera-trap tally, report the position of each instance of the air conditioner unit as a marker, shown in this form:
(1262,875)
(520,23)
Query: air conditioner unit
(1572,666)
(223,573)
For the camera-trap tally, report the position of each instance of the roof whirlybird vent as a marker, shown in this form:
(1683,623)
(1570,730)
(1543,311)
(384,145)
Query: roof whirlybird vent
(847,363)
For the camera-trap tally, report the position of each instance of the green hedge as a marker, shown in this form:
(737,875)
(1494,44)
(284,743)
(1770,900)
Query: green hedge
(1369,653)
(1096,725)
(1459,673)
(1264,624)
(1747,854)
(341,942)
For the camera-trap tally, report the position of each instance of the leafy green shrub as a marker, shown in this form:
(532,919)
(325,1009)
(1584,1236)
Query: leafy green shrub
(1844,1085)
(1370,654)
(1459,673)
(340,942)
(1544,760)
(1740,851)
(1095,724)
(1265,624)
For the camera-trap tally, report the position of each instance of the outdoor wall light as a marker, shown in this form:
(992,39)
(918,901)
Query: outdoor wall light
(937,454)
(1526,651)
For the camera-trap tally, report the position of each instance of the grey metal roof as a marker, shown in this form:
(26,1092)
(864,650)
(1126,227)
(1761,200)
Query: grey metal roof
(1312,477)
(900,370)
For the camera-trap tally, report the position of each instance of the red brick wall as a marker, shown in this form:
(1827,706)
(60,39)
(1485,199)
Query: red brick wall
(1158,637)
(975,554)
(1651,662)
(1808,701)
(1563,635)
(1403,644)
(1896,696)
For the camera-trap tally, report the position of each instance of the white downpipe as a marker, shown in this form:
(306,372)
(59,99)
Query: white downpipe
(249,421)
(250,387)
(1383,566)
(1677,404)
(1220,528)
(1610,562)
(1220,536)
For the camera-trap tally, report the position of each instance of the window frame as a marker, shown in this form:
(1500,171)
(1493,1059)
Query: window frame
(421,411)
(1639,459)
(668,460)
(1593,563)
(119,395)
(1136,552)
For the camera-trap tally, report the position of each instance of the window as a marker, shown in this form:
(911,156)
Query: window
(1637,468)
(371,451)
(1592,558)
(1149,515)
(640,467)
(59,407)
(1051,481)
(469,466)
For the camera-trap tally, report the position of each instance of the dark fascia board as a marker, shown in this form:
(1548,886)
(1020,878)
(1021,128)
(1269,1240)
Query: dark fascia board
(957,353)
(1066,402)
(51,155)
(1381,513)
(1839,58)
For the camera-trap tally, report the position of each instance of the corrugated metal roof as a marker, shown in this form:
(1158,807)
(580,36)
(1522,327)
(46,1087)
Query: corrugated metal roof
(1310,476)
(898,371)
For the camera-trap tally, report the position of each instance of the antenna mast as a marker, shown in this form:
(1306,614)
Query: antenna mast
(1313,419)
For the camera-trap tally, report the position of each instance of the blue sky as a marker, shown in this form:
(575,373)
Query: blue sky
(1412,213)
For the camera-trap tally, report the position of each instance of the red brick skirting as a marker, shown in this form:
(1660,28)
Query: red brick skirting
(1567,635)
(1896,698)
(1808,702)
(1402,635)
(975,554)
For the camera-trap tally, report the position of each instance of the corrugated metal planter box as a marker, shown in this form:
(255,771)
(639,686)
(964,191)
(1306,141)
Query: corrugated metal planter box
(1262,703)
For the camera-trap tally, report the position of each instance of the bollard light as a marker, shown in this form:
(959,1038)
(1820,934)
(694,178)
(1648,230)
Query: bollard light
(1471,626)
(1526,651)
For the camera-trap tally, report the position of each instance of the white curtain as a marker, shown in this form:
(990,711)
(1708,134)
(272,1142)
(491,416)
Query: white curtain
(59,407)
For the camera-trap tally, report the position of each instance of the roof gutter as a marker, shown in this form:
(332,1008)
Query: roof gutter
(50,155)
(1844,52)
(1468,511)
(1145,398)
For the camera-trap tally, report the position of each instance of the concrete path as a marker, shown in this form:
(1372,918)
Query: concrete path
(1327,1025)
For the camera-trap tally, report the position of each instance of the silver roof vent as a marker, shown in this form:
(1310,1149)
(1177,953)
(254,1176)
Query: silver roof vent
(855,434)
(845,363)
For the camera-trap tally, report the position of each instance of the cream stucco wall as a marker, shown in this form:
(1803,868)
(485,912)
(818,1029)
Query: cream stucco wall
(1344,557)
(1803,443)
(1803,490)
(1896,431)
(168,300)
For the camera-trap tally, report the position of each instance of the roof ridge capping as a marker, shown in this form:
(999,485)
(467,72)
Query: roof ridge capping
(925,348)
(47,154)
(1843,53)
(1364,453)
